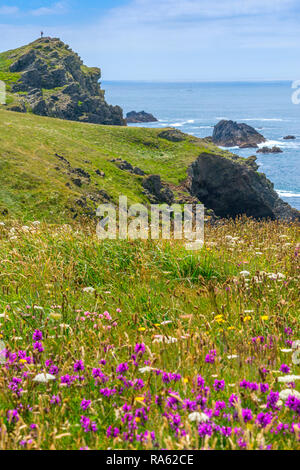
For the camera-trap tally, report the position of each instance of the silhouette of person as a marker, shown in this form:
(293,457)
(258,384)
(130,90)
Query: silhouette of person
(42,34)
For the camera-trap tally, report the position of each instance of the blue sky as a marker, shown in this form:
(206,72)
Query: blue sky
(166,39)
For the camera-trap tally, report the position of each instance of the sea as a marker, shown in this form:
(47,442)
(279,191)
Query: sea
(196,107)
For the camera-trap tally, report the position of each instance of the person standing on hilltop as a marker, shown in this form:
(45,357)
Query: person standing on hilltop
(42,34)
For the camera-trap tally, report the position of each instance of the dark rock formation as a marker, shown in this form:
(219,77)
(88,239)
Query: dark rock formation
(248,146)
(173,135)
(270,150)
(134,117)
(126,166)
(231,188)
(156,191)
(54,82)
(289,137)
(100,173)
(231,134)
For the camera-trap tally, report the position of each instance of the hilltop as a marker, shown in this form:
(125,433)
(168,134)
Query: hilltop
(57,170)
(47,78)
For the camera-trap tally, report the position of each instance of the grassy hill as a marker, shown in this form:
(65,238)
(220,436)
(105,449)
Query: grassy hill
(35,183)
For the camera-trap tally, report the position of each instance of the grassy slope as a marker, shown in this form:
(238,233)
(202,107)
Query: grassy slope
(31,187)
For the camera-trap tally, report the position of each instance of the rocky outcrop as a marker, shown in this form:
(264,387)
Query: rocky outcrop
(126,166)
(233,187)
(133,117)
(270,150)
(53,81)
(232,134)
(173,135)
(156,191)
(289,137)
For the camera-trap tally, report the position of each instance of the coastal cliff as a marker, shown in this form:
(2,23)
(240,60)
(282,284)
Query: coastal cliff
(47,78)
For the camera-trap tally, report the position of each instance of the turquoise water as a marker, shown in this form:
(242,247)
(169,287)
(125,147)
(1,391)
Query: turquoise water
(195,108)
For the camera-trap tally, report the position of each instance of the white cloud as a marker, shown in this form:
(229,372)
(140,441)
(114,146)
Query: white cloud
(146,11)
(58,8)
(5,10)
(182,39)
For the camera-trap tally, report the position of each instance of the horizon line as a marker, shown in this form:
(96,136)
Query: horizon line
(273,80)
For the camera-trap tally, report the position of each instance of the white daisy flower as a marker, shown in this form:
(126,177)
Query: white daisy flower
(44,378)
(198,417)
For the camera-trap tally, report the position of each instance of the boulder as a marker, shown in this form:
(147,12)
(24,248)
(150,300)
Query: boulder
(232,134)
(137,117)
(289,137)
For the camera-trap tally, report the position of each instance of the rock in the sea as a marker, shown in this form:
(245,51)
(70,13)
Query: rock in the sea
(232,134)
(136,117)
(53,81)
(270,150)
(289,137)
(233,187)
(248,146)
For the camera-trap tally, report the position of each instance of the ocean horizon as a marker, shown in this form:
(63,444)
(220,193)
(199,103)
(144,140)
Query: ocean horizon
(195,107)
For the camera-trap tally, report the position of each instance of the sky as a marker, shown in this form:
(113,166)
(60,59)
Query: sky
(169,40)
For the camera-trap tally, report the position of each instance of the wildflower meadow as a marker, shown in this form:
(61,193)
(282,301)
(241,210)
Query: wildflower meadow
(120,344)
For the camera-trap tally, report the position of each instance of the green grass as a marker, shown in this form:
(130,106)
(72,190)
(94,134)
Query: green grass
(32,187)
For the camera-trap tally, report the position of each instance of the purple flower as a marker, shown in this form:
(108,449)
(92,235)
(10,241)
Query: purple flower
(293,403)
(264,388)
(247,415)
(205,429)
(285,369)
(140,348)
(13,416)
(219,385)
(210,357)
(272,399)
(53,370)
(233,400)
(37,346)
(37,335)
(123,367)
(263,419)
(112,432)
(88,425)
(85,404)
(55,400)
(78,365)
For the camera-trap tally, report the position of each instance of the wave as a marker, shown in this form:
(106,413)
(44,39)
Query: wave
(265,119)
(287,193)
(281,143)
(254,119)
(182,123)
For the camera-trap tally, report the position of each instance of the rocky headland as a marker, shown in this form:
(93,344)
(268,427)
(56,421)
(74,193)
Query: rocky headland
(49,79)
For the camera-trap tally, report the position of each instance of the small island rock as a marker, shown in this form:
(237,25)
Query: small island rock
(231,134)
(133,117)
